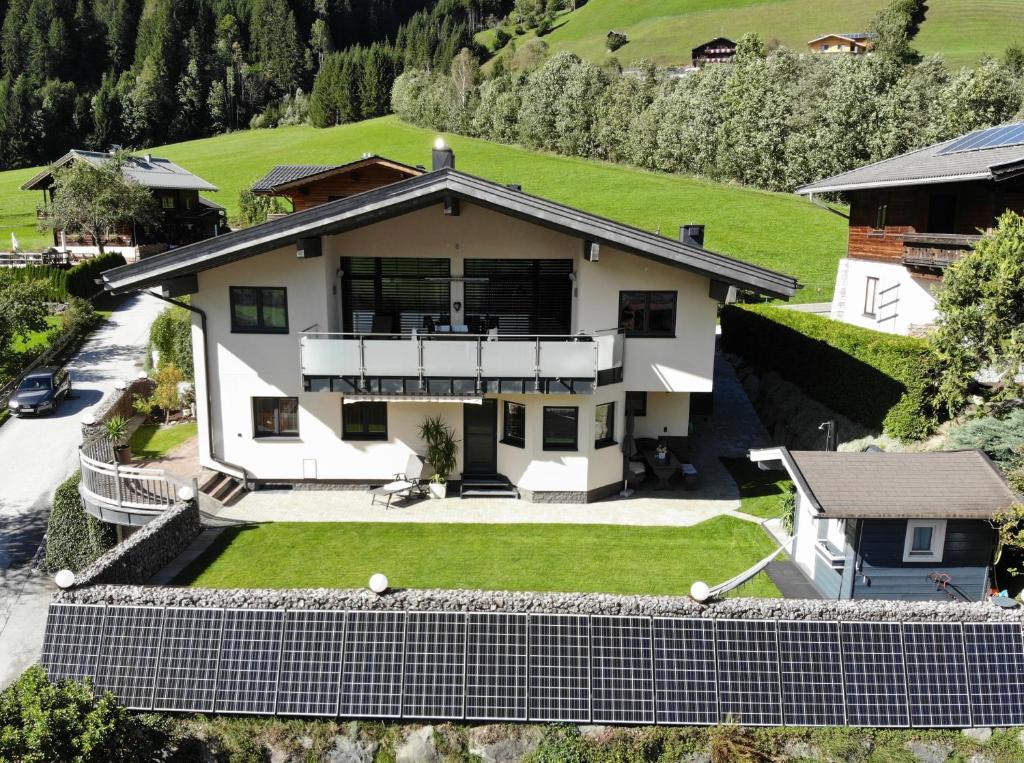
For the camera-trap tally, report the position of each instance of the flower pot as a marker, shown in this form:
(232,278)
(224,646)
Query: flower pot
(438,490)
(123,455)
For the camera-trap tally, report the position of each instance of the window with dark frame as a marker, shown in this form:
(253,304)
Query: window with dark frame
(275,417)
(604,425)
(870,296)
(880,216)
(514,424)
(364,421)
(648,313)
(636,403)
(259,310)
(561,427)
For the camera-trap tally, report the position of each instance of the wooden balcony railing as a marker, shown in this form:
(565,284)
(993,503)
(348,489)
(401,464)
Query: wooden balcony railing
(935,250)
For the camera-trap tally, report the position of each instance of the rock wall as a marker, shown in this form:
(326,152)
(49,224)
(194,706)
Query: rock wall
(557,603)
(117,403)
(145,552)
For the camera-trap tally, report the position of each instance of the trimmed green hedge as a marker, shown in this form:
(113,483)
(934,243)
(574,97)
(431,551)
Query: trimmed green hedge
(82,277)
(879,380)
(74,539)
(55,277)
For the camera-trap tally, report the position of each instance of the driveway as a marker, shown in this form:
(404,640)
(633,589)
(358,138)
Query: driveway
(37,455)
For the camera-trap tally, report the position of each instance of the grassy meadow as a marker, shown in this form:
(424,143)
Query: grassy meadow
(776,230)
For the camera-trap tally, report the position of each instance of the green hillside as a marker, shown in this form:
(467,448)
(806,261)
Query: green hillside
(775,230)
(664,31)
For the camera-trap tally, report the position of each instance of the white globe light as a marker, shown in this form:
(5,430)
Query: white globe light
(185,493)
(700,591)
(64,578)
(378,582)
(120,384)
(142,375)
(88,419)
(439,143)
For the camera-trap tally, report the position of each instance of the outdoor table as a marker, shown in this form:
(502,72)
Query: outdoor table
(663,470)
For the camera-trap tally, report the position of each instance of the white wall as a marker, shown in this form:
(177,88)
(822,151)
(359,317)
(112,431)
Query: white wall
(914,297)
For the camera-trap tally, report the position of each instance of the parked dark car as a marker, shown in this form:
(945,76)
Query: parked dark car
(41,391)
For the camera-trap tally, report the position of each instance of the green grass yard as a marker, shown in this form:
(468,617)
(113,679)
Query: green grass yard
(760,492)
(776,230)
(36,340)
(152,441)
(585,558)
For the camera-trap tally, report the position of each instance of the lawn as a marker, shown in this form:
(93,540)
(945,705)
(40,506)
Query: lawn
(152,441)
(36,339)
(760,491)
(586,558)
(776,230)
(964,30)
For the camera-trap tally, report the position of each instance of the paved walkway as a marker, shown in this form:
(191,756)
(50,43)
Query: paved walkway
(37,455)
(791,581)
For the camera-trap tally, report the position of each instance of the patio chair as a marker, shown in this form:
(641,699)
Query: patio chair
(404,485)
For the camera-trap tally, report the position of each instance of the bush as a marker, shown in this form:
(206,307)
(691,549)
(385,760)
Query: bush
(79,316)
(81,279)
(42,721)
(616,40)
(879,380)
(74,539)
(501,38)
(55,278)
(171,336)
(1001,439)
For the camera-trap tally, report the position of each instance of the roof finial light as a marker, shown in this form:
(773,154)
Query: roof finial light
(439,143)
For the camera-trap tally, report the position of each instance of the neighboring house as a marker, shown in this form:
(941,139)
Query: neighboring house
(847,43)
(309,185)
(913,215)
(716,51)
(325,337)
(185,216)
(909,526)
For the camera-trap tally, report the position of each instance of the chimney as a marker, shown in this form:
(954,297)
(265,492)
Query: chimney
(443,156)
(692,235)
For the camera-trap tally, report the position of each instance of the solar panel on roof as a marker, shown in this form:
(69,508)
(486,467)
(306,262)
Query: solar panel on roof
(371,678)
(993,137)
(250,654)
(812,681)
(496,667)
(311,662)
(622,688)
(71,644)
(559,688)
(186,675)
(685,684)
(748,672)
(936,674)
(876,687)
(995,670)
(128,657)
(435,665)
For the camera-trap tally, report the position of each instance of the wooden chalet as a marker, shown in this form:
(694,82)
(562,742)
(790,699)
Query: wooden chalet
(844,43)
(717,51)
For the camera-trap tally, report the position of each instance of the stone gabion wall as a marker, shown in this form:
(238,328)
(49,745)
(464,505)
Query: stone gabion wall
(146,552)
(557,603)
(117,403)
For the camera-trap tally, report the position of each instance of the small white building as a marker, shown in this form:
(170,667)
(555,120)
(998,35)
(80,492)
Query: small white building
(324,338)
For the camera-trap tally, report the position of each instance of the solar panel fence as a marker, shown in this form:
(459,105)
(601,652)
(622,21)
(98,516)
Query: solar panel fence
(505,666)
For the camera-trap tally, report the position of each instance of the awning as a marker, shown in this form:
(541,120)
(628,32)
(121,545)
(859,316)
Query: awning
(473,400)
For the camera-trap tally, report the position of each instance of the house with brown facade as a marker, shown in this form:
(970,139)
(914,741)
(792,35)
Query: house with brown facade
(845,43)
(717,51)
(912,216)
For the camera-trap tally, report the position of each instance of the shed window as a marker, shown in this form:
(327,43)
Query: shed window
(924,541)
(870,296)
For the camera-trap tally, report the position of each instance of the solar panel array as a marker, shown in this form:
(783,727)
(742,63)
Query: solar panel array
(567,668)
(993,137)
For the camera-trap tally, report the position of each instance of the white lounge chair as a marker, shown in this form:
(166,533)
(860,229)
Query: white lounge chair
(404,484)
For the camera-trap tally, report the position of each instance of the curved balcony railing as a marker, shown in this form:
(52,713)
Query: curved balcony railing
(124,495)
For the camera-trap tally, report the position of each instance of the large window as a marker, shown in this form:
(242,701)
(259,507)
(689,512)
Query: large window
(259,310)
(364,421)
(275,416)
(395,294)
(604,425)
(925,540)
(870,296)
(514,424)
(561,425)
(648,313)
(519,296)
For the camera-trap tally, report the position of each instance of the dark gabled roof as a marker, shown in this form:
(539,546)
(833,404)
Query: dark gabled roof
(285,175)
(932,164)
(959,484)
(148,170)
(423,191)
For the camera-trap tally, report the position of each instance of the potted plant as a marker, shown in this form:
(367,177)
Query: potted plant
(116,430)
(442,453)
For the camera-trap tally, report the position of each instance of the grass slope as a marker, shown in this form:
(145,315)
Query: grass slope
(664,31)
(155,441)
(778,231)
(588,558)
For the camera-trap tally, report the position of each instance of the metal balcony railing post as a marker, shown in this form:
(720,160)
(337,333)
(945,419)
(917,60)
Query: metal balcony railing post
(479,365)
(117,485)
(536,367)
(419,361)
(362,361)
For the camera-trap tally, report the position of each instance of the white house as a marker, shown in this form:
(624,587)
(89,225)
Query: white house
(324,338)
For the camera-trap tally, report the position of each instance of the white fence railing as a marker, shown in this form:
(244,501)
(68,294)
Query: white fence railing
(718,591)
(130,489)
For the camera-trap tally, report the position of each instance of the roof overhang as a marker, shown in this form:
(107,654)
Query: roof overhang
(813,188)
(426,190)
(342,169)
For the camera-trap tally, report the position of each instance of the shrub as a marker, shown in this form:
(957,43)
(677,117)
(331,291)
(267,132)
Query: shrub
(74,539)
(616,40)
(68,721)
(81,279)
(1001,439)
(55,278)
(79,316)
(879,380)
(171,336)
(501,38)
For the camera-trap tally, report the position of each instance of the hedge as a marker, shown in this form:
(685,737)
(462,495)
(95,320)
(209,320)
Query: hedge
(56,278)
(880,380)
(74,539)
(81,279)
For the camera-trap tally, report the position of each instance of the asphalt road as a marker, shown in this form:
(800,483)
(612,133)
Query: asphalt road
(37,454)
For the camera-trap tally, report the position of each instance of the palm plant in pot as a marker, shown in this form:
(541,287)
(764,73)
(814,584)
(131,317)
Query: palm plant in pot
(442,453)
(116,430)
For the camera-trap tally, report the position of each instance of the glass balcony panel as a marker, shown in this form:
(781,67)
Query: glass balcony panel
(509,358)
(323,356)
(567,360)
(391,357)
(449,357)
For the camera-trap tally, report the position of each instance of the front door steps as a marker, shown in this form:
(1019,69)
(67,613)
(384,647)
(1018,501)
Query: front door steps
(223,488)
(487,486)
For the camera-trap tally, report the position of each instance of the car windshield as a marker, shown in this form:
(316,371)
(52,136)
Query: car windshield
(35,383)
